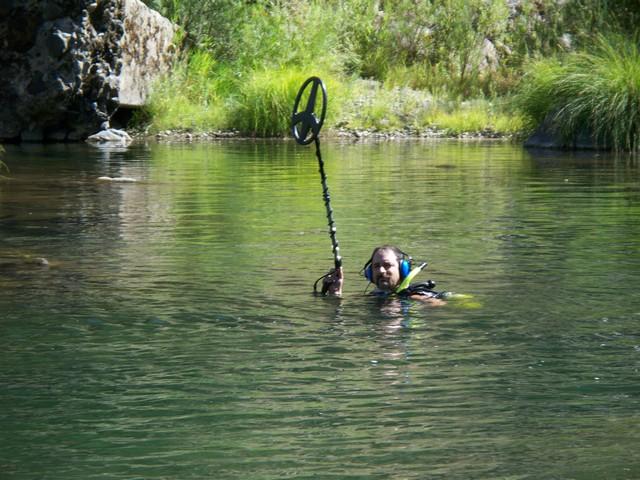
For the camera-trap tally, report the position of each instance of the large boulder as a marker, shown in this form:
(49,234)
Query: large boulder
(66,66)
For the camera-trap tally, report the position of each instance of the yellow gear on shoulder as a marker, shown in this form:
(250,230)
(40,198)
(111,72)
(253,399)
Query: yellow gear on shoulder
(407,280)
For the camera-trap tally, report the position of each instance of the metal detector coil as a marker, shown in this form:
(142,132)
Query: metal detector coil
(305,124)
(305,128)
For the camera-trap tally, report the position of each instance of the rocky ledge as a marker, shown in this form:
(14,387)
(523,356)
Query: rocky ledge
(67,66)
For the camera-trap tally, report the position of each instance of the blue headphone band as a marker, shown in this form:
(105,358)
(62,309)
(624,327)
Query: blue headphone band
(404,263)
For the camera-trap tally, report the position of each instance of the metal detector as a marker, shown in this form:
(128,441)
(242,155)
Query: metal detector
(305,128)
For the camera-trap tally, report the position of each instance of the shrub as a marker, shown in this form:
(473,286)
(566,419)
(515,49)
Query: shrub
(241,49)
(376,108)
(596,92)
(189,97)
(265,100)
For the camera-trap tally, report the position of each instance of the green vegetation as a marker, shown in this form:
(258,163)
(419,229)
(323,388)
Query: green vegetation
(596,92)
(266,99)
(383,109)
(448,65)
(190,98)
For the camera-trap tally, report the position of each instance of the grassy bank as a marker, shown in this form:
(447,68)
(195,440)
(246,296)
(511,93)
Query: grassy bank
(595,92)
(262,107)
(448,66)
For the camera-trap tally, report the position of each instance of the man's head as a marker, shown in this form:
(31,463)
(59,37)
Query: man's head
(387,267)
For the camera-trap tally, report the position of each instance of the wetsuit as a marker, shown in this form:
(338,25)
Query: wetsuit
(422,289)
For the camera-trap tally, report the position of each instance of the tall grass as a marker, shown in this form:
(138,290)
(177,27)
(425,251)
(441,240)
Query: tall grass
(191,97)
(201,96)
(478,117)
(265,100)
(246,57)
(595,92)
(246,78)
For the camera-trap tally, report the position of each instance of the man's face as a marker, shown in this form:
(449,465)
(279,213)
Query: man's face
(385,270)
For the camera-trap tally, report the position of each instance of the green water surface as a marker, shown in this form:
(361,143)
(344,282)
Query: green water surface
(173,334)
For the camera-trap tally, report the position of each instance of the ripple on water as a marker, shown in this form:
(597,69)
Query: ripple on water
(175,334)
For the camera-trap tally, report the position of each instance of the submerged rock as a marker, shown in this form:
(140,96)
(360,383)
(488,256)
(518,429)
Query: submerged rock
(21,262)
(117,179)
(40,261)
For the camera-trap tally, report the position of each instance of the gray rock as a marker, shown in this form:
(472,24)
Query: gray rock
(41,261)
(117,179)
(548,136)
(58,44)
(110,135)
(148,35)
(490,60)
(66,66)
(544,137)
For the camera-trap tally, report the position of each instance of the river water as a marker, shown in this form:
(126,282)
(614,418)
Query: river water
(173,333)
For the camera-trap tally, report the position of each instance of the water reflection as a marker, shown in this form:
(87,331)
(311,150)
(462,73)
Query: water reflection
(173,332)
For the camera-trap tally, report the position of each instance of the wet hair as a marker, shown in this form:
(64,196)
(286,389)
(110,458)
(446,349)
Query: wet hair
(397,252)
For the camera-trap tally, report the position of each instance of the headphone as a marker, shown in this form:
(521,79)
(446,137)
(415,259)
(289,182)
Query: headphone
(404,262)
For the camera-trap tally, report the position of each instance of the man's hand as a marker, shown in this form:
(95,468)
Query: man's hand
(332,283)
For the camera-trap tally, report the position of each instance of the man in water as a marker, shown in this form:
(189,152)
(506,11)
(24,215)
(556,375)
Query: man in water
(389,269)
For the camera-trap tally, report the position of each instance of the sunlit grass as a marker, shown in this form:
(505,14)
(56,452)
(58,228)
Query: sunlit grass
(370,107)
(595,92)
(189,98)
(375,108)
(478,117)
(199,97)
(429,61)
(265,100)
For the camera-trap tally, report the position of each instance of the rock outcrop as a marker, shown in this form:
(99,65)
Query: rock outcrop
(548,135)
(66,66)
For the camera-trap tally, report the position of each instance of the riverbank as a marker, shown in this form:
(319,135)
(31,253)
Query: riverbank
(341,134)
(455,70)
(358,109)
